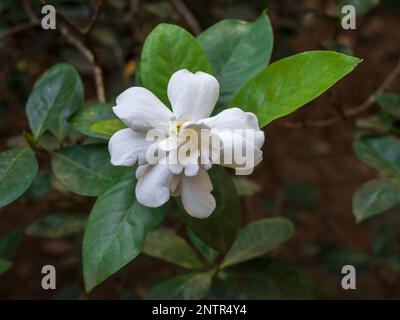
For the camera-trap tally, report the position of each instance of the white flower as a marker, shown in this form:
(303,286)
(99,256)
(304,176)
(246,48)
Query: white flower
(193,97)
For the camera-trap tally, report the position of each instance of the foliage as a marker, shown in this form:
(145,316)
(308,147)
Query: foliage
(73,134)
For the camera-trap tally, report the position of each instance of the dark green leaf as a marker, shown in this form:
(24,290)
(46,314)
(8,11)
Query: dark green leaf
(116,232)
(18,168)
(86,117)
(257,238)
(220,229)
(246,187)
(8,246)
(207,252)
(264,279)
(167,49)
(237,50)
(86,169)
(107,128)
(375,197)
(192,286)
(55,97)
(290,83)
(335,258)
(390,103)
(57,225)
(41,185)
(381,152)
(166,245)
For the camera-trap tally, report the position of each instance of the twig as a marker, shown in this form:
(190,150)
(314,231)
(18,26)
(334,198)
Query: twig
(96,15)
(187,15)
(80,40)
(346,113)
(17,29)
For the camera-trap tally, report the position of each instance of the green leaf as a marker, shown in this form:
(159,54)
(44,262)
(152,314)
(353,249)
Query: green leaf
(57,225)
(381,152)
(257,238)
(375,197)
(207,252)
(264,279)
(335,258)
(88,116)
(4,265)
(389,103)
(116,232)
(55,97)
(166,245)
(167,49)
(246,187)
(8,247)
(18,168)
(107,128)
(290,83)
(220,229)
(41,185)
(237,50)
(86,169)
(192,286)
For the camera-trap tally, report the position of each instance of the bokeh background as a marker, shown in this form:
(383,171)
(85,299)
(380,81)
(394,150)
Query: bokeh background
(309,172)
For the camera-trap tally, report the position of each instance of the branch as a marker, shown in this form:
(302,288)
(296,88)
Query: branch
(350,112)
(187,15)
(80,40)
(17,29)
(96,15)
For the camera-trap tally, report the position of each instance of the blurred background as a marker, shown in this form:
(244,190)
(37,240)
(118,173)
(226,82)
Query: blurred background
(309,172)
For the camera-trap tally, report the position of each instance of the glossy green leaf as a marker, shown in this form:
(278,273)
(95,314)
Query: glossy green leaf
(88,116)
(237,50)
(18,168)
(86,169)
(220,229)
(40,186)
(55,97)
(8,246)
(375,197)
(116,232)
(57,225)
(107,128)
(381,152)
(167,49)
(166,245)
(290,83)
(192,286)
(389,103)
(257,238)
(208,253)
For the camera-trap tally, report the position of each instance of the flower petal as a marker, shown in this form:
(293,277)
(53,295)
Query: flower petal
(128,147)
(196,195)
(237,131)
(192,95)
(141,110)
(154,185)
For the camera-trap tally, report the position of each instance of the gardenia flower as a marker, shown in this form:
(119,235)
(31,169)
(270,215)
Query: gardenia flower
(192,97)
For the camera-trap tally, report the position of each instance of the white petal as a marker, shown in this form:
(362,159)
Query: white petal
(231,126)
(232,118)
(196,195)
(192,95)
(141,110)
(128,147)
(154,186)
